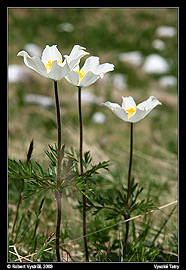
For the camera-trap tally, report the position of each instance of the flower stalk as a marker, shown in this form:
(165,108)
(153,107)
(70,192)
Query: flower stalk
(58,196)
(81,171)
(59,134)
(130,165)
(128,188)
(58,193)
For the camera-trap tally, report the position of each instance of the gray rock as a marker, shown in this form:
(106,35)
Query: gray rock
(155,63)
(39,100)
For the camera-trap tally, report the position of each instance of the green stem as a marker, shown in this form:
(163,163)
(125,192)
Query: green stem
(128,189)
(58,194)
(80,131)
(130,165)
(59,135)
(81,171)
(19,203)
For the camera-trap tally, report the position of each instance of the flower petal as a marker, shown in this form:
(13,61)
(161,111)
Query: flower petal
(144,108)
(137,116)
(103,68)
(128,102)
(73,77)
(51,53)
(34,63)
(88,79)
(149,104)
(76,54)
(58,71)
(117,110)
(91,64)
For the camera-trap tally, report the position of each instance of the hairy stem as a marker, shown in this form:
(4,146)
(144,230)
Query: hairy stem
(59,135)
(128,189)
(81,171)
(130,165)
(58,194)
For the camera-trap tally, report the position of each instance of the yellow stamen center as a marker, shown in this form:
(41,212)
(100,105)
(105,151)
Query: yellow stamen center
(49,64)
(81,74)
(130,111)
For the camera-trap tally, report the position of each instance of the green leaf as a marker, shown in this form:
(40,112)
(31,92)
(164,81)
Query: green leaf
(97,210)
(95,168)
(39,253)
(40,169)
(53,150)
(51,157)
(112,215)
(30,150)
(41,206)
(62,151)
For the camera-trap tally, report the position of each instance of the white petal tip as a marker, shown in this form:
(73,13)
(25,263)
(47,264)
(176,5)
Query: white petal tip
(106,104)
(50,46)
(21,53)
(80,47)
(154,98)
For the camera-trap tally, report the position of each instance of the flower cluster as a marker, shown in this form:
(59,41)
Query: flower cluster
(52,66)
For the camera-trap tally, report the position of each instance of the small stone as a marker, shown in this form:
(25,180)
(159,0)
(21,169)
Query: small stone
(166,31)
(134,58)
(99,118)
(119,81)
(39,100)
(155,63)
(17,73)
(65,27)
(168,81)
(158,44)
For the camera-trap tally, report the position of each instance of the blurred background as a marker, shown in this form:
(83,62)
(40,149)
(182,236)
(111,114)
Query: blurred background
(142,43)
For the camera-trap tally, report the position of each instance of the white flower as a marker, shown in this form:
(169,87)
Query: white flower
(89,73)
(129,111)
(76,54)
(50,64)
